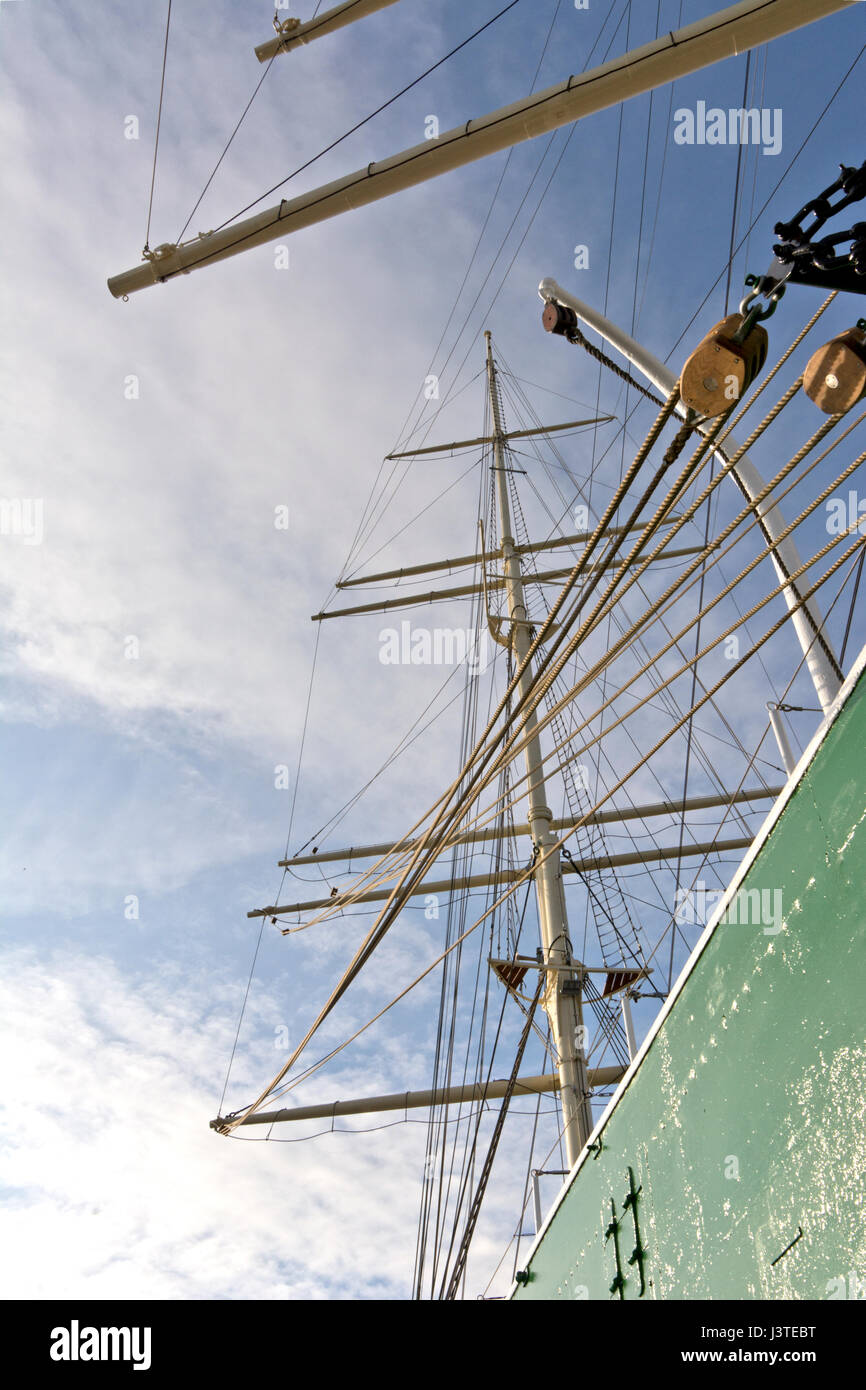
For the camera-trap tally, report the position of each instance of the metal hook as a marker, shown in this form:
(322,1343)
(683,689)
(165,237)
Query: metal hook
(752,310)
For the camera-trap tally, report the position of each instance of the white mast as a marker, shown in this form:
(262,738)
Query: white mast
(562,998)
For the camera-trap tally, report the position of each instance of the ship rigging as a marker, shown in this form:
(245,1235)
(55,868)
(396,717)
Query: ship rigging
(639,645)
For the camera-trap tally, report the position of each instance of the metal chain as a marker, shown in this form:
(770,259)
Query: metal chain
(798,239)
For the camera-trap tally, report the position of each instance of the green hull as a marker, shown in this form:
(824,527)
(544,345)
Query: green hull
(743,1120)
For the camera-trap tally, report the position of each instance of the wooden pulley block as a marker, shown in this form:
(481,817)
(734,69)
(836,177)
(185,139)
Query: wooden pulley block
(558,318)
(835,377)
(721,369)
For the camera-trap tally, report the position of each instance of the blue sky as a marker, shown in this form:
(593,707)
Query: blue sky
(152,778)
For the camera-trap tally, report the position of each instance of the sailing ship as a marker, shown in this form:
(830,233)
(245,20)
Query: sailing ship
(612,762)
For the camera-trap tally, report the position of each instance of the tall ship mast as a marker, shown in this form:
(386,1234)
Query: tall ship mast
(635,906)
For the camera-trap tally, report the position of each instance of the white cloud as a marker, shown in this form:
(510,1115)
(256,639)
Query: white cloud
(115,1185)
(159,510)
(256,388)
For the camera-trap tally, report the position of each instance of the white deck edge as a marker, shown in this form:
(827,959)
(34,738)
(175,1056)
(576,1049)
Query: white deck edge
(751,854)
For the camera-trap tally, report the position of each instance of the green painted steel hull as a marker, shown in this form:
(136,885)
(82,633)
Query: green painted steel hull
(743,1123)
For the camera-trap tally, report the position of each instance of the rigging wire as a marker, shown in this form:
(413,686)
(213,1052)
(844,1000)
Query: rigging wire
(510,749)
(426,508)
(734,212)
(503,241)
(449,395)
(401,434)
(442,1074)
(445,1029)
(364,522)
(158,124)
(737,187)
(644,183)
(851,609)
(801,663)
(283,879)
(618,692)
(508,270)
(679,579)
(226,148)
(232,1121)
(527,1181)
(703,571)
(690,726)
(556,524)
(526,1198)
(374,1129)
(588,841)
(556,1144)
(665,143)
(355,544)
(645,596)
(449,1292)
(468,1158)
(733,669)
(384,502)
(770,196)
(241,1018)
(763,52)
(385,104)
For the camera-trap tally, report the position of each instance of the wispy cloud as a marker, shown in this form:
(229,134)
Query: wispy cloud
(157,644)
(115,1187)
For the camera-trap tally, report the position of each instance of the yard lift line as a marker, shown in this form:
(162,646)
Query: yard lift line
(722,35)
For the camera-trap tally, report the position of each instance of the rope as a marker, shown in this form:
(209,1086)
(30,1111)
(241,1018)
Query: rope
(667,699)
(678,443)
(646,152)
(774,593)
(661,179)
(670,598)
(801,663)
(575,337)
(756,646)
(776,626)
(409,878)
(443,1063)
(413,872)
(232,1121)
